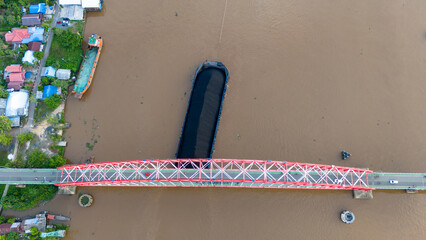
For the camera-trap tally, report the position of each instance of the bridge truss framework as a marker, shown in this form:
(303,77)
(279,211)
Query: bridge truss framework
(215,173)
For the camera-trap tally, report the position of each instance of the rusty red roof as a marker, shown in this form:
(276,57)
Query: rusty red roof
(15,85)
(34,46)
(5,228)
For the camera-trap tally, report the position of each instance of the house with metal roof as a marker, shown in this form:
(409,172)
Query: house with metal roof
(48,72)
(32,19)
(91,4)
(69,2)
(63,74)
(17,104)
(34,46)
(38,8)
(3,102)
(14,75)
(85,4)
(50,90)
(36,35)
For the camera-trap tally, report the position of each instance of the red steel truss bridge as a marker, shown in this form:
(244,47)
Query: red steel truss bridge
(213,173)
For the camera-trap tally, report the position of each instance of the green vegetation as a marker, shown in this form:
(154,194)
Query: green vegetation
(39,55)
(3,92)
(62,84)
(25,137)
(6,139)
(3,157)
(61,226)
(10,236)
(28,197)
(53,101)
(78,26)
(85,200)
(46,80)
(90,146)
(65,51)
(5,126)
(32,195)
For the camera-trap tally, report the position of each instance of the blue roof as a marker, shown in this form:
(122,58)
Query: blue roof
(33,38)
(38,8)
(36,30)
(27,74)
(48,72)
(49,90)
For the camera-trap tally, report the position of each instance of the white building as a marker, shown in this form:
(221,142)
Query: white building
(85,4)
(17,104)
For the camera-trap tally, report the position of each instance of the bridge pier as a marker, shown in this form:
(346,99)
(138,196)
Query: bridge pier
(358,194)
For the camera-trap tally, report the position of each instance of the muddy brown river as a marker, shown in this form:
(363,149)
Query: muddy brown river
(307,80)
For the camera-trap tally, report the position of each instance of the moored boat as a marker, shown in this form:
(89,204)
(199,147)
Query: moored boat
(88,66)
(203,114)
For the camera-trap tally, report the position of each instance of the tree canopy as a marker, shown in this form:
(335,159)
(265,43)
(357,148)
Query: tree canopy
(5,124)
(68,39)
(53,101)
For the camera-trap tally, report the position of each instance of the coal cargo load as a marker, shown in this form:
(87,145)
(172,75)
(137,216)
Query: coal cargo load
(202,117)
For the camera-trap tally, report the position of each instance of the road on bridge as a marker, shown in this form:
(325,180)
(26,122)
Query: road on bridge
(29,176)
(413,181)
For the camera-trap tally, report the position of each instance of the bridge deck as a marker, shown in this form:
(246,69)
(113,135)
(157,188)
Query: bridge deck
(416,181)
(214,173)
(16,176)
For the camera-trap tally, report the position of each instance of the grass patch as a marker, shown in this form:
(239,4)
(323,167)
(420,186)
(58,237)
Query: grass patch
(78,26)
(41,112)
(3,157)
(65,51)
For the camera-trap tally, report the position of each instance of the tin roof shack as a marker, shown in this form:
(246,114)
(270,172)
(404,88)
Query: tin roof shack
(63,74)
(32,19)
(16,121)
(6,228)
(48,72)
(73,12)
(38,222)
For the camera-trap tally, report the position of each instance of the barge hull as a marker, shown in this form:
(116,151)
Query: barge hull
(202,117)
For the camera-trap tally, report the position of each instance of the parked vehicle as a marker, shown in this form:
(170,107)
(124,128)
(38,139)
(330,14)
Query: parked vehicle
(58,22)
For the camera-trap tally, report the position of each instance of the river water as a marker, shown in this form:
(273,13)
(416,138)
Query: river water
(307,80)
